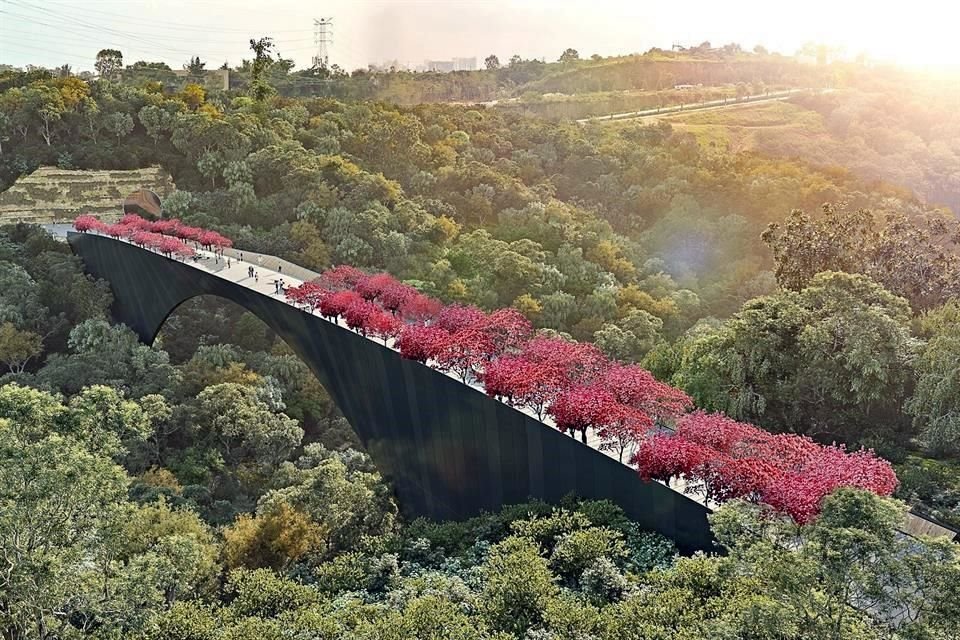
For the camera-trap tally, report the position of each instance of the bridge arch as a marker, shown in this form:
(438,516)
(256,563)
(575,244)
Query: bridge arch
(449,451)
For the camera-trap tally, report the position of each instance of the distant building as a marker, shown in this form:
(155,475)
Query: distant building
(446,66)
(440,66)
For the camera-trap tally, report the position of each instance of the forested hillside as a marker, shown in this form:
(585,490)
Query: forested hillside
(901,131)
(206,487)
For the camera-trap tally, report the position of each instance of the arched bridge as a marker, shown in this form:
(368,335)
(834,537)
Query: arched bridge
(449,451)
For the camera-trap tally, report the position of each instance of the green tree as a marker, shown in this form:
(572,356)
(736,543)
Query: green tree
(156,120)
(92,119)
(17,347)
(578,550)
(106,422)
(244,426)
(110,355)
(263,594)
(6,127)
(935,403)
(195,66)
(904,255)
(13,104)
(181,544)
(341,492)
(630,338)
(517,588)
(828,361)
(119,124)
(260,88)
(852,573)
(108,64)
(430,616)
(45,104)
(20,302)
(569,55)
(491,62)
(62,504)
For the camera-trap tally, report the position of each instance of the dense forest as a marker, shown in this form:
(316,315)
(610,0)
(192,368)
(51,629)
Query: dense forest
(206,487)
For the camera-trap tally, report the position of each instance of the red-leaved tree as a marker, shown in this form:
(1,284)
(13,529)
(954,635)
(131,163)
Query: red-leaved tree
(370,287)
(340,278)
(135,221)
(521,382)
(308,294)
(397,295)
(466,352)
(335,305)
(420,308)
(421,342)
(584,407)
(85,223)
(580,362)
(508,330)
(799,493)
(358,312)
(455,317)
(186,232)
(383,325)
(636,387)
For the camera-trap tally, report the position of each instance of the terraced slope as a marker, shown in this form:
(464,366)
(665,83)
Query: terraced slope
(51,195)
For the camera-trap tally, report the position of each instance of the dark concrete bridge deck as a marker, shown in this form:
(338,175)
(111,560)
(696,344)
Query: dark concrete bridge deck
(449,451)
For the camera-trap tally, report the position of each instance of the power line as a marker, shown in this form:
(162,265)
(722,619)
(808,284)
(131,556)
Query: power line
(71,23)
(64,27)
(180,26)
(147,47)
(141,46)
(73,57)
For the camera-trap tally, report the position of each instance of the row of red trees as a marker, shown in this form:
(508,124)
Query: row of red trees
(577,386)
(169,237)
(728,459)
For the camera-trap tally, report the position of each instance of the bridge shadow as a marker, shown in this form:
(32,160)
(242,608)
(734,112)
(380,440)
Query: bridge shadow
(449,451)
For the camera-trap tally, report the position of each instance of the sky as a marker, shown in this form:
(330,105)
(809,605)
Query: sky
(55,32)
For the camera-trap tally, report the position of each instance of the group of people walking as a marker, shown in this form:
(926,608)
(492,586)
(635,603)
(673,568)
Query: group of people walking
(279,286)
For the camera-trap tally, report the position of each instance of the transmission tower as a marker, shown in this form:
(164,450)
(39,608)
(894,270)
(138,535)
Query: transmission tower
(322,38)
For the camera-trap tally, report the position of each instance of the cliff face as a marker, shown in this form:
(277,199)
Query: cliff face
(51,195)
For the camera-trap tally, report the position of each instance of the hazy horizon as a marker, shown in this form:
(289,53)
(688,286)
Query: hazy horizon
(57,32)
